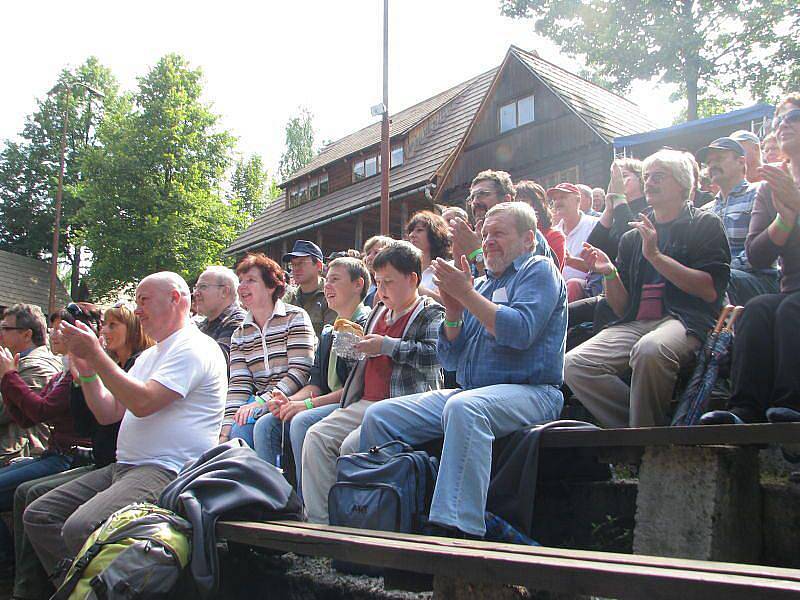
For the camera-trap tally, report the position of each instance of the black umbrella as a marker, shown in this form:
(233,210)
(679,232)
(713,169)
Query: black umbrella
(719,354)
(698,375)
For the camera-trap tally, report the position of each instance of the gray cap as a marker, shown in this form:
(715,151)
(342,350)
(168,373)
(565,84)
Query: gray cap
(745,136)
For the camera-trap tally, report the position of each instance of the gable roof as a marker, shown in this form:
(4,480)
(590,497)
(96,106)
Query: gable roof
(399,124)
(418,169)
(606,113)
(24,279)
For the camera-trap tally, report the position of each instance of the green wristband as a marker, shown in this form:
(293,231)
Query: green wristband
(610,276)
(783,225)
(309,402)
(259,400)
(458,323)
(474,253)
(88,379)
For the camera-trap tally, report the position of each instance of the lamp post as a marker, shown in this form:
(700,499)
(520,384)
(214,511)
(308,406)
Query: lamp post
(51,305)
(385,155)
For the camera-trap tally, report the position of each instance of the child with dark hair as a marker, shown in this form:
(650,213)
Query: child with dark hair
(400,349)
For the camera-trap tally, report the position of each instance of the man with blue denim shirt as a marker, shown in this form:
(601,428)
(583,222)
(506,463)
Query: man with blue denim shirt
(508,352)
(733,204)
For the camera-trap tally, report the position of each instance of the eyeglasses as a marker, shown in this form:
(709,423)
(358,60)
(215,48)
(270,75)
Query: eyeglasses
(477,194)
(655,178)
(204,286)
(793,116)
(11,328)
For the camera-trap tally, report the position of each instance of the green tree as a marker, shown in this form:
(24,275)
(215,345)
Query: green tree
(690,43)
(153,190)
(709,106)
(299,144)
(252,188)
(29,167)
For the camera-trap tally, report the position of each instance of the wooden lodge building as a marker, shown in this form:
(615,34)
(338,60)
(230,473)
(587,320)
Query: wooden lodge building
(528,117)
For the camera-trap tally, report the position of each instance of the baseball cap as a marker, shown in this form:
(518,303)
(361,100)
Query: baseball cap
(744,136)
(568,188)
(723,143)
(304,248)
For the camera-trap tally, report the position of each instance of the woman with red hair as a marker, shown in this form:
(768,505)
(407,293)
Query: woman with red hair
(272,349)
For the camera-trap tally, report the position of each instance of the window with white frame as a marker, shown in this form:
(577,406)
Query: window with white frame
(516,114)
(397,156)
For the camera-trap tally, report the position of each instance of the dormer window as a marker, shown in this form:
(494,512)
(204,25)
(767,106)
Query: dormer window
(397,156)
(516,114)
(371,165)
(307,191)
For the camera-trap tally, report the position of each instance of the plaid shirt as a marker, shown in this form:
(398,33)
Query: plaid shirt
(279,356)
(735,211)
(221,329)
(416,365)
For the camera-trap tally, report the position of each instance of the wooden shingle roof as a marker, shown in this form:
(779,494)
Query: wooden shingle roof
(608,114)
(418,168)
(24,279)
(400,124)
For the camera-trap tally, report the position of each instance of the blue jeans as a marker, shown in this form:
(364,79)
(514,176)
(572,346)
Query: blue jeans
(470,420)
(744,286)
(245,432)
(267,435)
(26,469)
(20,471)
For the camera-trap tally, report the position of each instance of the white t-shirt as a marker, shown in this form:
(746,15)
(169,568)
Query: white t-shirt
(574,244)
(427,280)
(187,362)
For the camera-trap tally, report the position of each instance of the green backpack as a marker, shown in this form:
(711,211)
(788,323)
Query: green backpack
(139,552)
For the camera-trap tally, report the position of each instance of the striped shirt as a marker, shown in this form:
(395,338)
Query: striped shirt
(279,356)
(735,211)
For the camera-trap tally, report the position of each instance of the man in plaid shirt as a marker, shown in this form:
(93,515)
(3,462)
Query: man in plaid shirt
(733,204)
(401,359)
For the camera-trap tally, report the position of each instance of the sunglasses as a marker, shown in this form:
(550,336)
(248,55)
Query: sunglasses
(792,116)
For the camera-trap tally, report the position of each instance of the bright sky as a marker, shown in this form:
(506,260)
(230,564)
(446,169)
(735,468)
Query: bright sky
(261,60)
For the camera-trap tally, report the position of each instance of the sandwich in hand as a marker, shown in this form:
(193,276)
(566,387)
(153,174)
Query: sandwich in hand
(347,326)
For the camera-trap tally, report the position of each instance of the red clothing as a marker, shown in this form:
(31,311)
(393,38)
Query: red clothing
(51,406)
(558,243)
(378,371)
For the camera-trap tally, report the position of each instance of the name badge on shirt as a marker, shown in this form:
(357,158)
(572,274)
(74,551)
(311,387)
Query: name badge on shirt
(500,295)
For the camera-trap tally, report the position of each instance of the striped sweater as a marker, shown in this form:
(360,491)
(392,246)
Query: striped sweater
(279,356)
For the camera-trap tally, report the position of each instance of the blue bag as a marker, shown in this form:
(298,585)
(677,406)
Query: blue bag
(388,488)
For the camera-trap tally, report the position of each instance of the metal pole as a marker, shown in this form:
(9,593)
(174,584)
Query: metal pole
(385,154)
(57,223)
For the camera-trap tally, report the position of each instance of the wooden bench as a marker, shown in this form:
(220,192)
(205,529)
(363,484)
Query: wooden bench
(539,568)
(699,493)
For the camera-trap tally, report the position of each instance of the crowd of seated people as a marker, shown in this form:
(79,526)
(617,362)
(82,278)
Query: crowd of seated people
(104,410)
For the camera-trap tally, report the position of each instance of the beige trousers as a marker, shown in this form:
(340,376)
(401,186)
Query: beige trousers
(336,435)
(652,351)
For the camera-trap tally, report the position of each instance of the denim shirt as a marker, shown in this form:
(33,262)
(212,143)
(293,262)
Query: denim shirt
(530,329)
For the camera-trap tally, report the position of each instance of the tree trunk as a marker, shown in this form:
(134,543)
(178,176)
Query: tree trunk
(691,65)
(76,273)
(691,94)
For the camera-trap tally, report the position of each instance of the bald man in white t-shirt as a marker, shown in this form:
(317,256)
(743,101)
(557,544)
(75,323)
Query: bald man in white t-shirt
(171,405)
